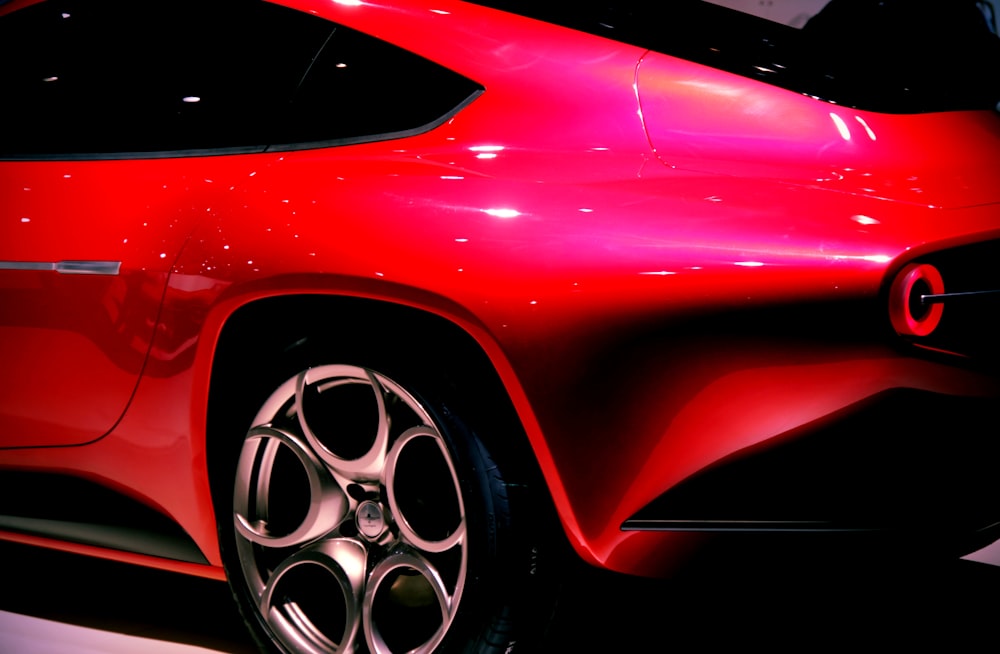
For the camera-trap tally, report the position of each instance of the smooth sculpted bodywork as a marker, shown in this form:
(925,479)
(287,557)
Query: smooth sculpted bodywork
(379,310)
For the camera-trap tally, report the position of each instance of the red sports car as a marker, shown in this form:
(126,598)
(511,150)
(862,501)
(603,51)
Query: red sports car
(373,306)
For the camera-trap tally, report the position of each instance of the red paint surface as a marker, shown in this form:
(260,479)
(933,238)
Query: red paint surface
(571,222)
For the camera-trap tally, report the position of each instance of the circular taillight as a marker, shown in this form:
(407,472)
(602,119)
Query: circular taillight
(910,313)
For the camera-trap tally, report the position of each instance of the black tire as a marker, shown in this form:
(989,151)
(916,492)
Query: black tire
(367,517)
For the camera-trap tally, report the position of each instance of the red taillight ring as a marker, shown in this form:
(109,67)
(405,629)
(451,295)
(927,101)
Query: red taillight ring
(910,316)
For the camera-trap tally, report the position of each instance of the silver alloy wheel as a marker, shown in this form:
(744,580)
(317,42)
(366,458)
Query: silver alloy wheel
(349,519)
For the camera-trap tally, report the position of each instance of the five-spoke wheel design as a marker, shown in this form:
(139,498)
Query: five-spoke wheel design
(349,517)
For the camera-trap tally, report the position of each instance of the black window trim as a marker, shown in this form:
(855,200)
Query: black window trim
(253,149)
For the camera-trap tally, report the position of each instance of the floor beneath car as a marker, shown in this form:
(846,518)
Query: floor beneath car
(66,603)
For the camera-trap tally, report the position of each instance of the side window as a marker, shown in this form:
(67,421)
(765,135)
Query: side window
(120,78)
(361,88)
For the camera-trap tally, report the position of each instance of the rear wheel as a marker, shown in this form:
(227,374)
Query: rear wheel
(367,519)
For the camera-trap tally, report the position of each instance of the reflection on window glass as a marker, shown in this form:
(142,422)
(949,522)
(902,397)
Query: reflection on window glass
(127,78)
(121,76)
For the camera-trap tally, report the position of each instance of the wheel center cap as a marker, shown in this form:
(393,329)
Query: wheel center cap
(370,519)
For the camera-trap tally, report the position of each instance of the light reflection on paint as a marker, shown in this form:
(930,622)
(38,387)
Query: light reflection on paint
(874,258)
(502,213)
(868,130)
(845,132)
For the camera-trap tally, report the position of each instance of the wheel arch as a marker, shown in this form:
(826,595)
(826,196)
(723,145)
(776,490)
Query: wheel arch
(266,342)
(266,338)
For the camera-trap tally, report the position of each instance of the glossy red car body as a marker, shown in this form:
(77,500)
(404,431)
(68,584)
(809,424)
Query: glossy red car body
(667,266)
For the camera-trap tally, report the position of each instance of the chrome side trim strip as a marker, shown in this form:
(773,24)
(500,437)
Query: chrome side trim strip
(26,265)
(66,267)
(88,267)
